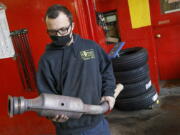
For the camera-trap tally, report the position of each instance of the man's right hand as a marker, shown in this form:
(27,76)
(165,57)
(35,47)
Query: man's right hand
(59,118)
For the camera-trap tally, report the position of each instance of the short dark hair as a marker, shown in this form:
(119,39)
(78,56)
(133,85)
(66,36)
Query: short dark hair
(54,11)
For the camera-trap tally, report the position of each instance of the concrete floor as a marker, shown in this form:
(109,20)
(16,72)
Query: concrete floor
(162,119)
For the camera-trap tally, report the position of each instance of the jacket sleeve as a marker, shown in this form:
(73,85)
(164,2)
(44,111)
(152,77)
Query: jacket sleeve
(108,79)
(44,78)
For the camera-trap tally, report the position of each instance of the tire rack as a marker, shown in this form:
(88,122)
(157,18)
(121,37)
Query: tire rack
(24,58)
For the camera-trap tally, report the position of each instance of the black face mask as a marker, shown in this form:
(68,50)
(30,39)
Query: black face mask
(61,40)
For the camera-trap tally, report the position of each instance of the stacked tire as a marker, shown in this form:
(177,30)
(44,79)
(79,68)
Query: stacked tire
(131,70)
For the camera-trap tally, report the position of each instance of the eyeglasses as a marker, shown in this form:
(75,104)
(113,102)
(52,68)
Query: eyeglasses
(61,31)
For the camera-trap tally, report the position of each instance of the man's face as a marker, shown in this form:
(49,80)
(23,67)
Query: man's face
(59,26)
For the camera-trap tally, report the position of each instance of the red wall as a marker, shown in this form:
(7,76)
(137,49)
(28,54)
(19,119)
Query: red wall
(25,14)
(133,37)
(167,27)
(29,14)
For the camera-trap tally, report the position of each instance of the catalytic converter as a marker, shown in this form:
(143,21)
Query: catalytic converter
(50,105)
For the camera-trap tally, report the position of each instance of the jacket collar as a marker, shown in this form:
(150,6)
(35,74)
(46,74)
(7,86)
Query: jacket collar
(76,44)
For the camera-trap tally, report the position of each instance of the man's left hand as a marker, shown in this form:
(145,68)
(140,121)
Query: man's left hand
(110,100)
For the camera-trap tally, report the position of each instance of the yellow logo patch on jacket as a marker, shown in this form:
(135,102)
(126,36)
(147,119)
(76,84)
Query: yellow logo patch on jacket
(87,54)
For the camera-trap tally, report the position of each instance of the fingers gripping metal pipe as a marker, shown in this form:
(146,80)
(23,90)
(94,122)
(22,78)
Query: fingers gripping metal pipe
(50,105)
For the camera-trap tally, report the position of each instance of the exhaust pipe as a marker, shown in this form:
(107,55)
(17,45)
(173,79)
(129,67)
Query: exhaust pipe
(50,105)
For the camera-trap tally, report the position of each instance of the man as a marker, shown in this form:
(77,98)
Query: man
(76,67)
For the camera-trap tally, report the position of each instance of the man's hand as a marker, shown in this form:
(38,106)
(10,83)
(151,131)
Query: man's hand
(59,118)
(110,100)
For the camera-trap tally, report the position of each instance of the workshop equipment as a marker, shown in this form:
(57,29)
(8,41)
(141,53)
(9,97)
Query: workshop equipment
(24,58)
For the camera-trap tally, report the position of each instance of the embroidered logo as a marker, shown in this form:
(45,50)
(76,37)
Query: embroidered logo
(87,54)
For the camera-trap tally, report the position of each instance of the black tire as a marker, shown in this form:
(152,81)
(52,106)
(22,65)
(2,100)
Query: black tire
(129,59)
(132,76)
(137,103)
(135,89)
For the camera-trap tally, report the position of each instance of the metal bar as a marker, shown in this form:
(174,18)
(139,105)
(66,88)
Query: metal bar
(19,63)
(23,60)
(30,59)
